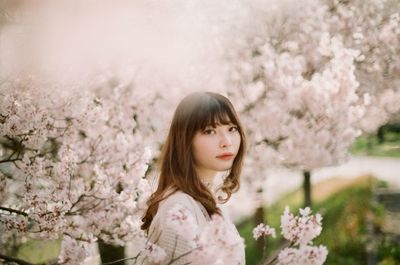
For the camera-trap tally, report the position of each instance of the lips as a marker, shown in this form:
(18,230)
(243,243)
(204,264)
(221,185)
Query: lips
(225,156)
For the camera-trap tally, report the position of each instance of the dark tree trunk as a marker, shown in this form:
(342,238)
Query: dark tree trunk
(307,188)
(110,253)
(259,217)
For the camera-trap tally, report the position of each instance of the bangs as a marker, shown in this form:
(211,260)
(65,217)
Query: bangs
(215,112)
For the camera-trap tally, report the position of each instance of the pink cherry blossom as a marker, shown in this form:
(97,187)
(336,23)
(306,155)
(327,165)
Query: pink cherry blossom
(263,230)
(304,255)
(300,229)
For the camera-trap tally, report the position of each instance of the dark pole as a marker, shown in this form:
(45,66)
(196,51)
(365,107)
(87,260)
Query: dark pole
(307,188)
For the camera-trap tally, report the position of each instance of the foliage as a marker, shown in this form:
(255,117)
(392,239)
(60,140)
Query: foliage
(369,145)
(345,216)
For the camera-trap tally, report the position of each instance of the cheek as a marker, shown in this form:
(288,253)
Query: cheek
(200,148)
(204,148)
(237,140)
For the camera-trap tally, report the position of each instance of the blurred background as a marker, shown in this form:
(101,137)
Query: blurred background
(316,83)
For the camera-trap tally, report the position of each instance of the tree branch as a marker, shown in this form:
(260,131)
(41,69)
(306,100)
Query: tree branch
(15,260)
(10,160)
(13,211)
(92,150)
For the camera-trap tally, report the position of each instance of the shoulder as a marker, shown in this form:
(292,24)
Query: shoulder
(178,197)
(183,199)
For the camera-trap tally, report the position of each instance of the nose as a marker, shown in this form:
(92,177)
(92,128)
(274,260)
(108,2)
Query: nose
(225,140)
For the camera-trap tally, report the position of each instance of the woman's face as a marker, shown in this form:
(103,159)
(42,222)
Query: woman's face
(214,149)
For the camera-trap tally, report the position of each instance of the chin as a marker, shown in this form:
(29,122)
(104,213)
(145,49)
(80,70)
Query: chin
(220,169)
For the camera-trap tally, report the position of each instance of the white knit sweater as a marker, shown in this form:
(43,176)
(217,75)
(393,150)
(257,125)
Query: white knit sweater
(173,243)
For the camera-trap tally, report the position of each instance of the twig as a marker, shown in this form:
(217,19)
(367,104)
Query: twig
(274,257)
(124,259)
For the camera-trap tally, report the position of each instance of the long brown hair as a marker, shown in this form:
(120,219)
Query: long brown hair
(177,172)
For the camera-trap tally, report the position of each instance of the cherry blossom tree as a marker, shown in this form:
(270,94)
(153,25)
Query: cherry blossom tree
(372,27)
(72,164)
(299,80)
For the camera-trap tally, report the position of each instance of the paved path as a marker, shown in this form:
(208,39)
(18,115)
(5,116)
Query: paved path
(384,168)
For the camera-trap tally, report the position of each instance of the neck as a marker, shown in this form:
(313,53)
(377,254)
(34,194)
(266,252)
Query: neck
(206,176)
(207,180)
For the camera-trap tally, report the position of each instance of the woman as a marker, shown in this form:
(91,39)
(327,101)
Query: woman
(205,137)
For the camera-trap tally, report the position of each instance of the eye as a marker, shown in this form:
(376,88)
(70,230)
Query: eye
(209,131)
(233,129)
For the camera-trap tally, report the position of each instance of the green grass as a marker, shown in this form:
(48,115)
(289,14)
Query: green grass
(369,145)
(345,216)
(345,225)
(39,251)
